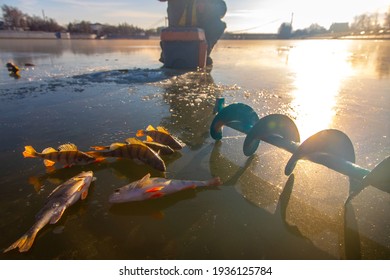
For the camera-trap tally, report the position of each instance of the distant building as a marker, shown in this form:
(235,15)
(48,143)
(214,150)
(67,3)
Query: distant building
(97,28)
(339,27)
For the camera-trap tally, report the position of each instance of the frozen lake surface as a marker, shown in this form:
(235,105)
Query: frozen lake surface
(99,92)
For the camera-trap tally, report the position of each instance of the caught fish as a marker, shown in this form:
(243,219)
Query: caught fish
(157,147)
(67,154)
(135,149)
(57,202)
(162,136)
(149,188)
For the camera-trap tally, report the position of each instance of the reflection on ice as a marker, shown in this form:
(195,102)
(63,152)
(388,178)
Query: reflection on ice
(317,88)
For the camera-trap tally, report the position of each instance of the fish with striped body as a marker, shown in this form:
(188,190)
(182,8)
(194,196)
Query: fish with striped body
(57,202)
(135,149)
(149,188)
(67,155)
(162,136)
(157,147)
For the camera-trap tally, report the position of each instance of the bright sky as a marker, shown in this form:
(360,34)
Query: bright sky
(266,15)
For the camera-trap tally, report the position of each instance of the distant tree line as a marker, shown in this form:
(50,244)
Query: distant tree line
(15,19)
(371,22)
(364,23)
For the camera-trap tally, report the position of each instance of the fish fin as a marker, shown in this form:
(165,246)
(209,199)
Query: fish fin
(214,182)
(24,243)
(140,133)
(150,128)
(155,189)
(57,215)
(134,141)
(100,148)
(149,139)
(49,150)
(29,152)
(48,163)
(162,129)
(144,181)
(114,146)
(68,147)
(18,244)
(84,194)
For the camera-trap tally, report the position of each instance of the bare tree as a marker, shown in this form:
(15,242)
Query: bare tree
(14,18)
(368,22)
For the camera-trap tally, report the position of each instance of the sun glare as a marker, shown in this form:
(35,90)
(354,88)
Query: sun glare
(317,83)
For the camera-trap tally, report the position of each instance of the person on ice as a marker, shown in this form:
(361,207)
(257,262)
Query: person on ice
(205,14)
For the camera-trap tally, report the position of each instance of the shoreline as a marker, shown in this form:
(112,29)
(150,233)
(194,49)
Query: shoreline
(7,34)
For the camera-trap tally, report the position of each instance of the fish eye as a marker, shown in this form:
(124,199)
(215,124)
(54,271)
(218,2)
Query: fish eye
(117,191)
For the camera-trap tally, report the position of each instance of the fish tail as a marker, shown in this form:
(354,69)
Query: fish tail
(140,133)
(24,243)
(29,152)
(214,182)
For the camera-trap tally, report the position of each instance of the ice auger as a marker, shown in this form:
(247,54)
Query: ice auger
(330,147)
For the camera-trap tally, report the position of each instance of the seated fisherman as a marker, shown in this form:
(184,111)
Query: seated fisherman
(206,14)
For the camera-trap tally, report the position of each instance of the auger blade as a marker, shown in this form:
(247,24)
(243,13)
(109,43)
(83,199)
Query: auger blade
(329,141)
(219,105)
(379,177)
(238,116)
(275,129)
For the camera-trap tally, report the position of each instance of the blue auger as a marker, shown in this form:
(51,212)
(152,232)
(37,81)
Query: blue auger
(330,147)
